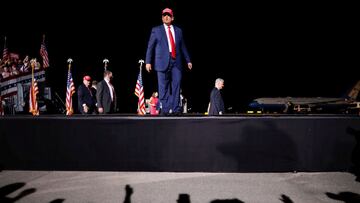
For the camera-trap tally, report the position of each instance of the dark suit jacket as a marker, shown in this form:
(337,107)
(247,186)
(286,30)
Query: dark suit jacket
(158,48)
(85,96)
(216,102)
(103,97)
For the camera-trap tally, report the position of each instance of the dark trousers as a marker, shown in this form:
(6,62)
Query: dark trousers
(169,82)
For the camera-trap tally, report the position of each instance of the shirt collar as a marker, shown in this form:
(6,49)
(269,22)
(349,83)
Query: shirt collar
(166,26)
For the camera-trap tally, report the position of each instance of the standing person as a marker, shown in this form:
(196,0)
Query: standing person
(105,94)
(154,100)
(166,45)
(216,105)
(86,98)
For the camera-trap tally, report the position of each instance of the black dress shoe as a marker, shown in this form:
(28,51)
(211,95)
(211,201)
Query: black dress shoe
(164,114)
(177,113)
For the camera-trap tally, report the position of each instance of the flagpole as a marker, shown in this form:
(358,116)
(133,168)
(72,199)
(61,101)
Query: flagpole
(139,110)
(32,72)
(105,61)
(32,86)
(34,110)
(69,61)
(141,62)
(69,110)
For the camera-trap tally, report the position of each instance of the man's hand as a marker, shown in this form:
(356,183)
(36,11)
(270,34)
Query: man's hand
(101,110)
(86,108)
(190,66)
(148,67)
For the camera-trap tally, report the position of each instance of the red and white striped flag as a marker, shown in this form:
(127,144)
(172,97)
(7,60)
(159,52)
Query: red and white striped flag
(5,55)
(33,105)
(70,90)
(44,54)
(139,92)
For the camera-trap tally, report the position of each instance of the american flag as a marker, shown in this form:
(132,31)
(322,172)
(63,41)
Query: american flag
(44,54)
(33,105)
(5,52)
(139,92)
(70,90)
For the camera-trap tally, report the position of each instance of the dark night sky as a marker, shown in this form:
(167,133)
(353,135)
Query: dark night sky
(260,50)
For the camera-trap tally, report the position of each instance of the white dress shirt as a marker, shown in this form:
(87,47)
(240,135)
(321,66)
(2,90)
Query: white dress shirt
(167,35)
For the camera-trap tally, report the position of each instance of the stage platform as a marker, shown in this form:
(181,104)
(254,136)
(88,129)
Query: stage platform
(188,143)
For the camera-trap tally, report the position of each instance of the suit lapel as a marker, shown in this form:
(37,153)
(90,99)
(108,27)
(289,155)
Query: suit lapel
(163,36)
(176,36)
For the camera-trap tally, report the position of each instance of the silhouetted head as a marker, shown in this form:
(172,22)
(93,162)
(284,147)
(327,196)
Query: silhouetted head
(183,198)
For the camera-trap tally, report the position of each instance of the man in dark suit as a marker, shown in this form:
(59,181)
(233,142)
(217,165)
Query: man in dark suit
(166,46)
(216,106)
(105,94)
(86,98)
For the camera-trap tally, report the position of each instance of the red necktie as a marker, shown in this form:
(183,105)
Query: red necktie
(172,42)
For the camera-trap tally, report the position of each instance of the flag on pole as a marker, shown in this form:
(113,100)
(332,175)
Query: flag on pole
(44,54)
(34,90)
(5,55)
(139,92)
(70,90)
(33,105)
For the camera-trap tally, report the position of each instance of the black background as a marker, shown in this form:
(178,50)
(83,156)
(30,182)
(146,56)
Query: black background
(260,50)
